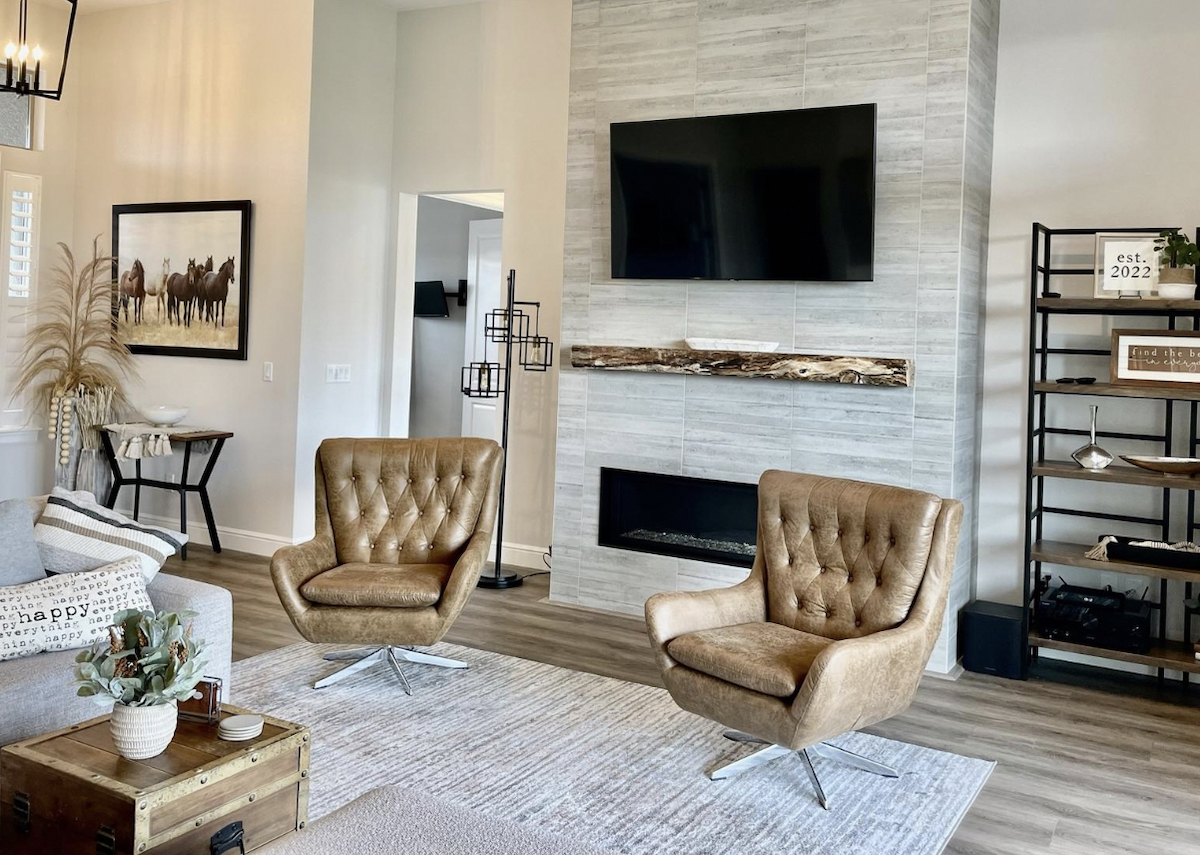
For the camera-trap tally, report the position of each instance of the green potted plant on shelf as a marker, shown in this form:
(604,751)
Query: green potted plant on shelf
(1179,256)
(145,666)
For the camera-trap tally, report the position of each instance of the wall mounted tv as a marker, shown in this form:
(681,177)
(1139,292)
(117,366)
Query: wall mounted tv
(786,195)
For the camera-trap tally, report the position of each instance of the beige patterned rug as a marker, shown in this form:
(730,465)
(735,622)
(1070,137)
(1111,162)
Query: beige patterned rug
(594,759)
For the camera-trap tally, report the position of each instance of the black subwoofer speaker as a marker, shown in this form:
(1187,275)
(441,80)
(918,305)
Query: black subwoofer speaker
(992,639)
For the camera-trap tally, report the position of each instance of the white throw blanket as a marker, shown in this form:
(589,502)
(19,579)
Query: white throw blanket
(136,440)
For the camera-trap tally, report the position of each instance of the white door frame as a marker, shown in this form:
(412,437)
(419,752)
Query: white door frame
(399,387)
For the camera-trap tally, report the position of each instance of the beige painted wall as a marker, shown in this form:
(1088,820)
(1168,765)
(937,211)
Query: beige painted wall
(209,99)
(1081,141)
(481,104)
(347,269)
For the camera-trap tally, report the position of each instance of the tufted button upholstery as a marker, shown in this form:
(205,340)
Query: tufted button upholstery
(877,538)
(402,531)
(380,493)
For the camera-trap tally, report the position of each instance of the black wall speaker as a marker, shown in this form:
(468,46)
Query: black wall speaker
(992,640)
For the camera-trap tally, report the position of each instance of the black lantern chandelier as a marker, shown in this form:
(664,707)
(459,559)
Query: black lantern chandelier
(23,56)
(512,328)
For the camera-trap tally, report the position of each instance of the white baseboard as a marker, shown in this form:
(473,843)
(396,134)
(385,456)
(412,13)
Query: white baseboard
(951,675)
(525,556)
(237,539)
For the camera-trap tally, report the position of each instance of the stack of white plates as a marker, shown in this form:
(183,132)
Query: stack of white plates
(239,728)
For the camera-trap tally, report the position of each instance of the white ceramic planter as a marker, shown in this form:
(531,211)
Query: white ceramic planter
(143,732)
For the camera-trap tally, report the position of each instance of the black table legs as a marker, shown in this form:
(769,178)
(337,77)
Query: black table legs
(203,491)
(182,488)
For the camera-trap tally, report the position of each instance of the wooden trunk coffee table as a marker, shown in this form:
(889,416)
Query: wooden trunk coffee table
(70,792)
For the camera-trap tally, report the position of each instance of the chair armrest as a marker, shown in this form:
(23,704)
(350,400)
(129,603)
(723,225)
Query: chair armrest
(465,576)
(856,682)
(671,615)
(292,566)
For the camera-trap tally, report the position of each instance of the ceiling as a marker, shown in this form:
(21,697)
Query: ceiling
(89,6)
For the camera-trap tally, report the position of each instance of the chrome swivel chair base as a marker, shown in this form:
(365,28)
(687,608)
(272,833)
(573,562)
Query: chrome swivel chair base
(392,656)
(824,750)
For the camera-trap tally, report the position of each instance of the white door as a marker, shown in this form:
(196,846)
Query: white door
(485,291)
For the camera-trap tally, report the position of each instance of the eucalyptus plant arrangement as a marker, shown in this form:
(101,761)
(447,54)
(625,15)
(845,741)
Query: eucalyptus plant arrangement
(147,660)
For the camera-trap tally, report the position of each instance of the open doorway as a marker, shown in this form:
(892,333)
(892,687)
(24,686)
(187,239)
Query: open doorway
(459,237)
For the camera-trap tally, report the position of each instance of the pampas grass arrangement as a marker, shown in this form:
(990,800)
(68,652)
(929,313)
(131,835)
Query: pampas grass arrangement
(71,351)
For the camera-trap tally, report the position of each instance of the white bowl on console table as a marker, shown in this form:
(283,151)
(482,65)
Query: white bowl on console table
(164,415)
(731,344)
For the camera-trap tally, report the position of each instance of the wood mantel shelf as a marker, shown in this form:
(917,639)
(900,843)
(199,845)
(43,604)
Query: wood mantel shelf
(855,370)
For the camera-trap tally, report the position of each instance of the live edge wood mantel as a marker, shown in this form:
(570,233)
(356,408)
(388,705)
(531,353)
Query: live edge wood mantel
(856,370)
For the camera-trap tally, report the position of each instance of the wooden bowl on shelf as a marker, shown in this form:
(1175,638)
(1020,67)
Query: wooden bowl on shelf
(1166,465)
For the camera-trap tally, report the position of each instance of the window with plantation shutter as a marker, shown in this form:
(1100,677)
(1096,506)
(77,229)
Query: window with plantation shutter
(22,201)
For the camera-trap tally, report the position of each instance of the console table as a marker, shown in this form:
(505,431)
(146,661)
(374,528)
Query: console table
(187,439)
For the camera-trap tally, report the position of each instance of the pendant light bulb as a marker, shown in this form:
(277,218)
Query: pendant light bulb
(23,53)
(10,50)
(37,54)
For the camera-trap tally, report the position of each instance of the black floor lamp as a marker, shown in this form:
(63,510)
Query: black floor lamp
(510,327)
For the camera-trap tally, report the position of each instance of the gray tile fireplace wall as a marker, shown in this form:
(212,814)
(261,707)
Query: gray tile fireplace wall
(930,66)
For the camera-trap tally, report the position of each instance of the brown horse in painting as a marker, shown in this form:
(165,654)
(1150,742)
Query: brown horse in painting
(215,287)
(133,287)
(181,292)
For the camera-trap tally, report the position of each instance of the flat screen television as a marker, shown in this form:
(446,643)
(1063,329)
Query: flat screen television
(786,195)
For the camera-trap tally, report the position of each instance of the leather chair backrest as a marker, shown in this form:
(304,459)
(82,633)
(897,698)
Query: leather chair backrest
(842,558)
(402,501)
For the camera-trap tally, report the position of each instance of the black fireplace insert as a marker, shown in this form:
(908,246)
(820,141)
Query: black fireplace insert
(676,515)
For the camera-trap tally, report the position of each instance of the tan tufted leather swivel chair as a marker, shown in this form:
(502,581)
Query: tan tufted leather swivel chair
(403,531)
(833,628)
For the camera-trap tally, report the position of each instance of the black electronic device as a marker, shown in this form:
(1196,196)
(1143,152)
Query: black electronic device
(992,640)
(785,195)
(1093,616)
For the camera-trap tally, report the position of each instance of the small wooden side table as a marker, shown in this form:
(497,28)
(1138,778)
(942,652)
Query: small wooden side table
(71,792)
(187,439)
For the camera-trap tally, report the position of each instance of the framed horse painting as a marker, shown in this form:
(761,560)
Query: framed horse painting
(181,274)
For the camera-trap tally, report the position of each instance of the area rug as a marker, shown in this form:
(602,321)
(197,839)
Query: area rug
(612,763)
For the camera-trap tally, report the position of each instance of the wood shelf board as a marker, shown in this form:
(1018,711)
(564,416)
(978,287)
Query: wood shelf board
(1097,306)
(1111,390)
(816,368)
(1115,474)
(1174,655)
(1066,554)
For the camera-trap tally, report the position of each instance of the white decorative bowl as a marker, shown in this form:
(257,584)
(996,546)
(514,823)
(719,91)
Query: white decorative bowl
(731,344)
(143,732)
(164,415)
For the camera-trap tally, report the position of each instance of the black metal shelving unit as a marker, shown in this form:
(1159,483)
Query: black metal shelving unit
(1165,654)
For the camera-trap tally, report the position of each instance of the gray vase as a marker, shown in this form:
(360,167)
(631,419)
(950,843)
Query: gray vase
(1092,456)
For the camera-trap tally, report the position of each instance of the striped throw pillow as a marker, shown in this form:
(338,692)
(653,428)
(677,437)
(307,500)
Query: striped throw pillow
(68,612)
(74,536)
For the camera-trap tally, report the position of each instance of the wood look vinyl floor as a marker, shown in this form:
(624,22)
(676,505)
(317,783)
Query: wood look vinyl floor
(1086,766)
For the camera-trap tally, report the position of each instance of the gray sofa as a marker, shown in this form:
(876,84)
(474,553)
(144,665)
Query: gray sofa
(36,692)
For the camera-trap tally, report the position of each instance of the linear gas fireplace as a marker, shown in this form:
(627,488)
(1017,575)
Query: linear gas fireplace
(675,515)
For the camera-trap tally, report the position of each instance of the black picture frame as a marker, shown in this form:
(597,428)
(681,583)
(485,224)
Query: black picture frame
(243,207)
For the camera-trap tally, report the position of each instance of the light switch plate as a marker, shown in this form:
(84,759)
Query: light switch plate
(268,372)
(337,373)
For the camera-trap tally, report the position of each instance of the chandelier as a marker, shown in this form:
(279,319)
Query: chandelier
(23,57)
